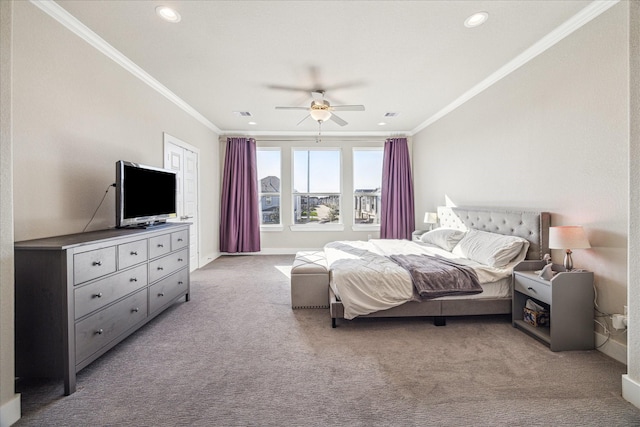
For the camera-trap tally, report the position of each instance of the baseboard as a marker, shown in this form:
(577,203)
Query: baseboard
(613,349)
(631,390)
(204,260)
(10,412)
(283,251)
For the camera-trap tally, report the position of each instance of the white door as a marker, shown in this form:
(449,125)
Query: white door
(183,159)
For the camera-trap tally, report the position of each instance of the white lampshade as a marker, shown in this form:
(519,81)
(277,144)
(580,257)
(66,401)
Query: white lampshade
(430,218)
(320,115)
(568,237)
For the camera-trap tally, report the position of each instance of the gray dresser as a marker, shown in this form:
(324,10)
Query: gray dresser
(79,295)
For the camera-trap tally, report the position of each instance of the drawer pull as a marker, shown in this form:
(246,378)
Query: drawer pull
(531,289)
(135,310)
(179,259)
(133,279)
(99,332)
(180,282)
(97,263)
(160,245)
(160,268)
(134,253)
(98,295)
(161,294)
(180,240)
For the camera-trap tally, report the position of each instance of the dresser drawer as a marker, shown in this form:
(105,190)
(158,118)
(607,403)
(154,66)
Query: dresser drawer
(168,264)
(93,264)
(159,245)
(96,331)
(179,239)
(533,288)
(104,291)
(132,253)
(167,289)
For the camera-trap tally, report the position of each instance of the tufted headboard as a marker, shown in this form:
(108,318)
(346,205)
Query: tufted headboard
(533,226)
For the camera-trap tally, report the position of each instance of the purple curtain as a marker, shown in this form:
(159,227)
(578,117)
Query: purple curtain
(397,219)
(239,215)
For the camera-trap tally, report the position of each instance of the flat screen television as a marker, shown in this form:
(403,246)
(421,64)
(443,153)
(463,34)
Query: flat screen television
(145,195)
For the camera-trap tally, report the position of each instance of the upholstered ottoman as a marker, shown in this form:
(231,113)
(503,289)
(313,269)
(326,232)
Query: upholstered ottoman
(310,280)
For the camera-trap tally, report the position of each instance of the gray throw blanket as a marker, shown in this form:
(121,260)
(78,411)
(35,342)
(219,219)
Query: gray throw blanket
(435,277)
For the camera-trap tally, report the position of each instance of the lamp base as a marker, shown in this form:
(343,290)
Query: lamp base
(568,262)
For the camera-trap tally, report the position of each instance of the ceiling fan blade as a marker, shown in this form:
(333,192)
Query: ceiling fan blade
(338,120)
(347,107)
(305,118)
(292,108)
(289,88)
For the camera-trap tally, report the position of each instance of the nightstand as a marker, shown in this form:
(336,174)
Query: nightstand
(568,297)
(415,236)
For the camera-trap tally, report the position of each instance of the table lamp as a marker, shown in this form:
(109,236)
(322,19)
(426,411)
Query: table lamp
(430,218)
(568,237)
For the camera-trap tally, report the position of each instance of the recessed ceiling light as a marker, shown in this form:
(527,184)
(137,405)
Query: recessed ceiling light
(476,19)
(168,14)
(252,123)
(382,124)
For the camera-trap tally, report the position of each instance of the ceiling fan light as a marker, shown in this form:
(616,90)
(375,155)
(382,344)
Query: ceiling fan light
(320,115)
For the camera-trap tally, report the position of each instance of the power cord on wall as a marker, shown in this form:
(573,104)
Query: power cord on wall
(101,202)
(602,314)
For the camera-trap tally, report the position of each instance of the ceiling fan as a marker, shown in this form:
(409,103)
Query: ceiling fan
(321,110)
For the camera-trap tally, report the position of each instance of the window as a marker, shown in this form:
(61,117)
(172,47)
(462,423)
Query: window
(316,186)
(269,185)
(367,184)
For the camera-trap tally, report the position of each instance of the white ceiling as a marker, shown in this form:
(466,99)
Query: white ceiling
(410,57)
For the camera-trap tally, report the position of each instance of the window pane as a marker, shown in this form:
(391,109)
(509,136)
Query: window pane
(269,185)
(324,171)
(316,171)
(300,168)
(270,209)
(316,209)
(269,170)
(367,182)
(367,169)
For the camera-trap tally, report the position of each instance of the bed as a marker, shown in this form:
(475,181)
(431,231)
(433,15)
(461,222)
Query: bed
(358,270)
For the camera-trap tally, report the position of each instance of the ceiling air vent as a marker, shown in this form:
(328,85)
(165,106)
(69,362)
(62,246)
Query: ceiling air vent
(242,113)
(391,114)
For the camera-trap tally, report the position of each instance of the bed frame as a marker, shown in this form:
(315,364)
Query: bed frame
(533,226)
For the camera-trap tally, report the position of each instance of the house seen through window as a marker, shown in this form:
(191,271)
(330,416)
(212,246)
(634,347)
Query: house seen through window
(367,184)
(269,172)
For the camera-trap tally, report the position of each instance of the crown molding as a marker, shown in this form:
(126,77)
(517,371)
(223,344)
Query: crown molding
(587,14)
(58,13)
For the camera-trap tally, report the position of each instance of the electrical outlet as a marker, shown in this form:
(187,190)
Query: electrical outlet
(619,321)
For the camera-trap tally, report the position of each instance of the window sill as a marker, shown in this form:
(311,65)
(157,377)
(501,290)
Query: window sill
(317,227)
(271,228)
(366,227)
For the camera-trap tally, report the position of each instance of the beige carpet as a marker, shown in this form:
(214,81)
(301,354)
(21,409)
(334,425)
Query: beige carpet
(237,355)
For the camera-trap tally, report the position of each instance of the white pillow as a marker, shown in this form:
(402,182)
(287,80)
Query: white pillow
(446,238)
(494,250)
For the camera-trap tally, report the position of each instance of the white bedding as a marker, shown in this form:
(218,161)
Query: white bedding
(366,280)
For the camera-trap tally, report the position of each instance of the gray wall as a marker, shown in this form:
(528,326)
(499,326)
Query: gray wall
(551,136)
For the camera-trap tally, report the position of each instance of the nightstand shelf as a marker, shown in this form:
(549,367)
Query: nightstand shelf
(569,298)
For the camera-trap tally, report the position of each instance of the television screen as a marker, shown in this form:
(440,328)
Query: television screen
(144,194)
